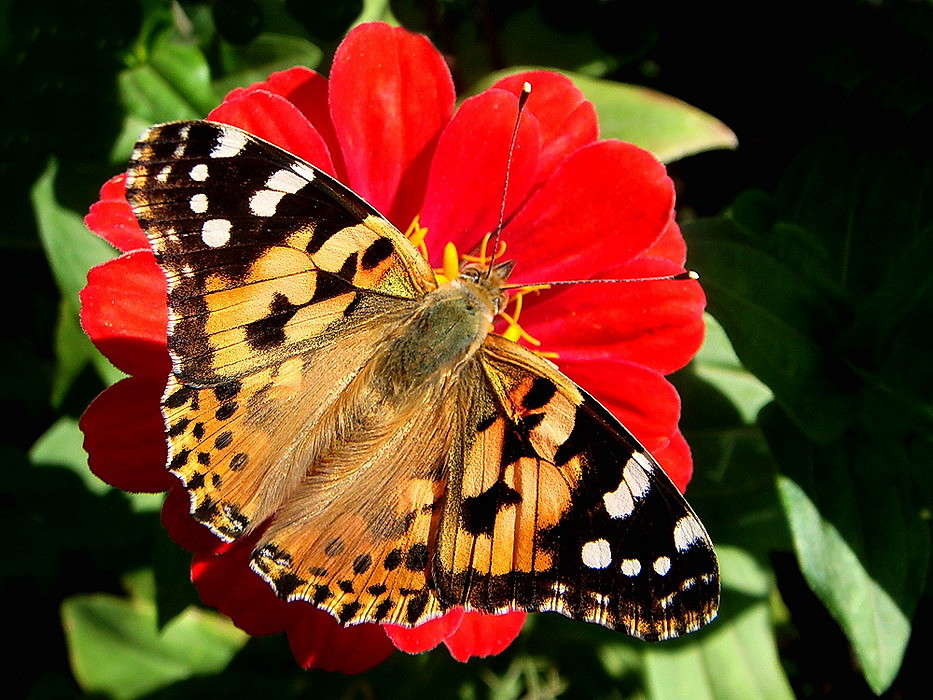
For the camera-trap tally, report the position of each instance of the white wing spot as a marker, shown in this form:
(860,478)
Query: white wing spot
(199,172)
(619,503)
(215,232)
(631,567)
(164,173)
(636,478)
(180,148)
(286,181)
(662,565)
(596,554)
(687,531)
(229,143)
(305,170)
(265,202)
(198,203)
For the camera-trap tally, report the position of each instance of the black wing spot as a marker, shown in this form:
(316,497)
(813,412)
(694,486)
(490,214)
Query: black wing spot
(362,563)
(286,584)
(321,593)
(238,461)
(226,410)
(416,606)
(179,427)
(227,390)
(479,512)
(179,460)
(223,440)
(347,611)
(383,609)
(379,250)
(542,390)
(417,557)
(393,560)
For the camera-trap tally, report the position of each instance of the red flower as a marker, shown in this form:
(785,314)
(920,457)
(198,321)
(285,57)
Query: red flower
(385,124)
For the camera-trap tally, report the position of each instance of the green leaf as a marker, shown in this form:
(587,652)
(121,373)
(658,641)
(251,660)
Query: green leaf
(116,648)
(717,363)
(73,350)
(61,446)
(71,251)
(778,322)
(171,82)
(266,54)
(670,128)
(860,536)
(735,656)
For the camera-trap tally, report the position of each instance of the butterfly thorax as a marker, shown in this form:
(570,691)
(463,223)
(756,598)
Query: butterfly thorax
(436,339)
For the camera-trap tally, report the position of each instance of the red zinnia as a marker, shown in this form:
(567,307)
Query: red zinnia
(385,124)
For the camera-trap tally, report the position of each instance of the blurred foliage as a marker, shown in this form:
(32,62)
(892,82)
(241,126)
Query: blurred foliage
(808,409)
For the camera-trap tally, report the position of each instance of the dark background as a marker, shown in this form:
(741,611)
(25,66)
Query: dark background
(832,109)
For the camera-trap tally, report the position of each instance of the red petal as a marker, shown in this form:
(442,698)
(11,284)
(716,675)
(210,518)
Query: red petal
(275,119)
(484,635)
(307,90)
(112,218)
(670,246)
(124,312)
(605,203)
(317,641)
(676,460)
(567,118)
(390,96)
(414,640)
(642,399)
(123,436)
(226,582)
(182,528)
(656,324)
(464,193)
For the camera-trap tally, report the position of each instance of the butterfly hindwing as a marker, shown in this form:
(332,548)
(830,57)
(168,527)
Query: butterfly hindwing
(562,509)
(265,255)
(355,538)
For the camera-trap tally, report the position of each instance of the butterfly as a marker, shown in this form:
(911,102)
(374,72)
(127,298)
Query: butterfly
(393,454)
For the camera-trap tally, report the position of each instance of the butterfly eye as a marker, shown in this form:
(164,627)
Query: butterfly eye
(470,274)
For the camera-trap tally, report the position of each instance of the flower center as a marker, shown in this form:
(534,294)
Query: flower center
(449,270)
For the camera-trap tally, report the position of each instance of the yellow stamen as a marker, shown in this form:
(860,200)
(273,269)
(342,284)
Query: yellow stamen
(416,233)
(450,270)
(482,258)
(514,331)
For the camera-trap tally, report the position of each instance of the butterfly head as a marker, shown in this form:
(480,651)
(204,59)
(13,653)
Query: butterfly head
(489,280)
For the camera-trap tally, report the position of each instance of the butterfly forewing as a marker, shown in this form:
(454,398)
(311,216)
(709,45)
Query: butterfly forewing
(265,255)
(555,506)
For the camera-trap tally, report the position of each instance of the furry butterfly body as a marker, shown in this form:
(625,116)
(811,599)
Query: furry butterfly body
(397,456)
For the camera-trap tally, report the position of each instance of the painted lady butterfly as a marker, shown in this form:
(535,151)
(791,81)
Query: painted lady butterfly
(405,458)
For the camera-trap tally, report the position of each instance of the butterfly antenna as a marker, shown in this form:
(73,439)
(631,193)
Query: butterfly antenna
(688,275)
(522,100)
